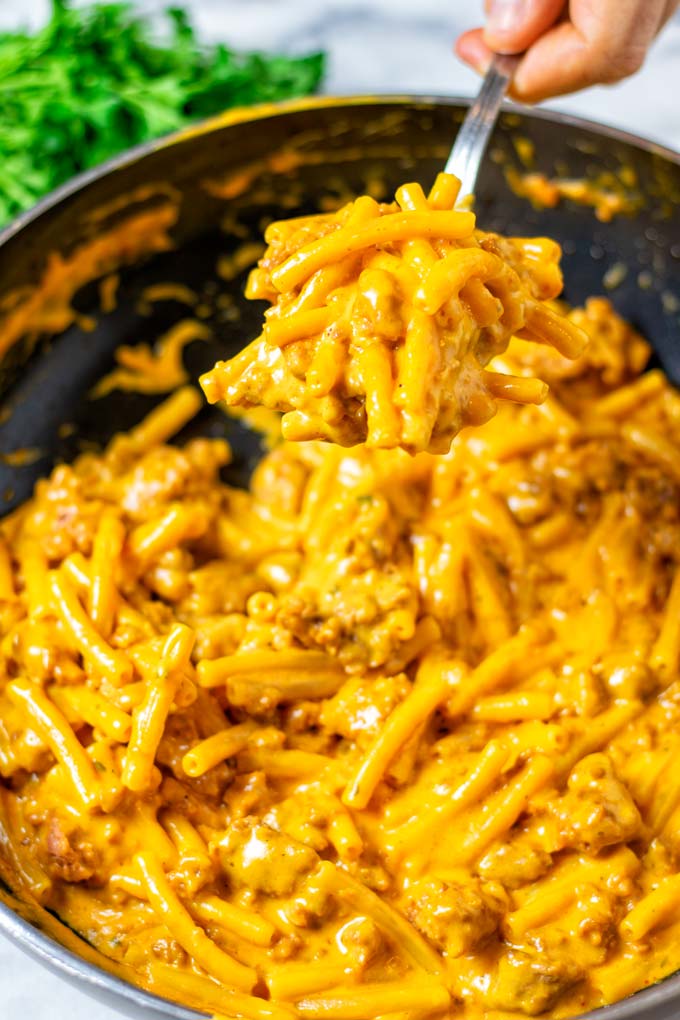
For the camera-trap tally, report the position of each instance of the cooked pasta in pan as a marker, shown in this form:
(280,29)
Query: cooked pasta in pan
(384,736)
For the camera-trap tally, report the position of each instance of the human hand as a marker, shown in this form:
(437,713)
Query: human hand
(566,46)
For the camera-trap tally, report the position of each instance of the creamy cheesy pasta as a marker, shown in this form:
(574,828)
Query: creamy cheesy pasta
(383,736)
(384,318)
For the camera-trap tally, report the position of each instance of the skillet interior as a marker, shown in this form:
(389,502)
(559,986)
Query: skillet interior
(330,150)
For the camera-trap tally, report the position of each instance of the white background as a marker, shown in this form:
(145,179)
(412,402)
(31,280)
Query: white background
(374,46)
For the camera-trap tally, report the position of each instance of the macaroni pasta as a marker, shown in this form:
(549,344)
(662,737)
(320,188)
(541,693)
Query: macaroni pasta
(384,735)
(384,317)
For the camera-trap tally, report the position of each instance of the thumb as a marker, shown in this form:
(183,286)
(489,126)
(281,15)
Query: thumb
(513,25)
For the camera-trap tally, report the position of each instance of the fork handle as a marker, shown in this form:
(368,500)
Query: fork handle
(473,136)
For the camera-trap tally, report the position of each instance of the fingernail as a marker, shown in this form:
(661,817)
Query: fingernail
(505,15)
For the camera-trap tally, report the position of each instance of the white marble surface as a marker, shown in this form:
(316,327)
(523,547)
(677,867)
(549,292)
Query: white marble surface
(375,46)
(402,46)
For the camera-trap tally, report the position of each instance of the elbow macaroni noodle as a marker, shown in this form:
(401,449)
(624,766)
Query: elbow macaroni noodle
(385,735)
(384,317)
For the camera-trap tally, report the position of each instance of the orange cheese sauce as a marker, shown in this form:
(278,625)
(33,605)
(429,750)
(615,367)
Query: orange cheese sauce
(380,736)
(609,195)
(157,369)
(384,318)
(21,457)
(46,308)
(389,734)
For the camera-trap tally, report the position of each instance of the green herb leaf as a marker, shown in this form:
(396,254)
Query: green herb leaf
(97,79)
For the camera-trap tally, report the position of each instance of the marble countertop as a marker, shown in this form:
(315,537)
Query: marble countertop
(398,46)
(378,46)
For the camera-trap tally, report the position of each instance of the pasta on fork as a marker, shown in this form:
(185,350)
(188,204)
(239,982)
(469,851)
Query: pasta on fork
(383,318)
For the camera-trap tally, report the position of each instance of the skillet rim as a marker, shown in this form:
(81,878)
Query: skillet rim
(262,111)
(86,976)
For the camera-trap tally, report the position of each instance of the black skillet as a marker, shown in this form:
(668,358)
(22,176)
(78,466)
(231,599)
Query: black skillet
(325,150)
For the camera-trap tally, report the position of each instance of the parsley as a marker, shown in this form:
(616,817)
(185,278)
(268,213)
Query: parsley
(97,80)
